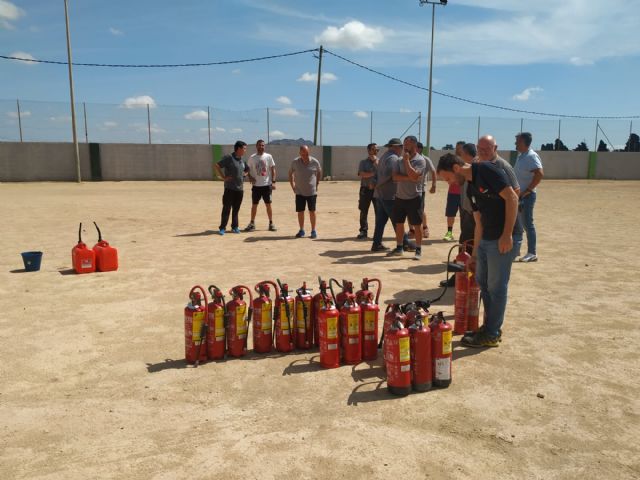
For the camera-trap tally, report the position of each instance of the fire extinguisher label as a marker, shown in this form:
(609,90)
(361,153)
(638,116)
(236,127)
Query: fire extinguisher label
(446,342)
(219,324)
(443,368)
(353,324)
(369,321)
(266,317)
(332,328)
(405,350)
(241,327)
(198,318)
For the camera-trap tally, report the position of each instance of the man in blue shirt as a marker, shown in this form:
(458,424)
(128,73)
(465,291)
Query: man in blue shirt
(232,170)
(529,173)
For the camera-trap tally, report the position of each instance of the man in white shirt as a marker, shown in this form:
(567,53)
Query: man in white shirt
(262,173)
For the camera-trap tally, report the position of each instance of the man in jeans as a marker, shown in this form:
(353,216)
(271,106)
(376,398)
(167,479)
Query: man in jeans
(385,191)
(233,175)
(529,173)
(367,174)
(495,207)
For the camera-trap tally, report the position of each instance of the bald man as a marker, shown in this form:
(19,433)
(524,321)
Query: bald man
(304,177)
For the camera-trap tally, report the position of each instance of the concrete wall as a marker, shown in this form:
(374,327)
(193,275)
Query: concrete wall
(33,161)
(618,166)
(36,162)
(565,165)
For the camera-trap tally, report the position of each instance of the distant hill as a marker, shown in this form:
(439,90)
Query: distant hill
(290,141)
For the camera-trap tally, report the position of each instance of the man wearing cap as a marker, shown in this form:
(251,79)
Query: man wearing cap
(407,204)
(385,191)
(367,174)
(304,177)
(235,169)
(529,172)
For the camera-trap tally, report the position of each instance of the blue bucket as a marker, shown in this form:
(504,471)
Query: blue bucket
(31,261)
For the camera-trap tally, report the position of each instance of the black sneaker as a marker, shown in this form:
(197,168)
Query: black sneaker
(379,248)
(480,340)
(362,236)
(250,228)
(396,252)
(469,333)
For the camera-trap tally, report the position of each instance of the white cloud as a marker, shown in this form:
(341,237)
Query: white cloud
(526,94)
(197,115)
(235,130)
(115,31)
(220,129)
(313,77)
(156,129)
(23,114)
(109,124)
(360,114)
(284,100)
(236,71)
(580,62)
(353,35)
(287,112)
(277,134)
(60,119)
(405,110)
(139,102)
(9,13)
(24,55)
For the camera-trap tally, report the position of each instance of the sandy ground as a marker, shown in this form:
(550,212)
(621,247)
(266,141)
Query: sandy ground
(93,382)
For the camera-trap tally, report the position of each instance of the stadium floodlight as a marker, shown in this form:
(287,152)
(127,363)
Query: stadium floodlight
(433,27)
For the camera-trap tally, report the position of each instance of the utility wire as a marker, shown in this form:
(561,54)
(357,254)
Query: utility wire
(175,65)
(466,100)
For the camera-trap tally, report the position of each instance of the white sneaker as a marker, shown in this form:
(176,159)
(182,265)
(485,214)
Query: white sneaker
(529,257)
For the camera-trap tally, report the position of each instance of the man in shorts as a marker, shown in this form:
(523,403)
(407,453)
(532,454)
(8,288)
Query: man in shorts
(262,174)
(304,177)
(408,175)
(453,200)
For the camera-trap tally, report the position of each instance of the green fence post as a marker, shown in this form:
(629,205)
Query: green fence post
(593,160)
(96,163)
(216,156)
(326,161)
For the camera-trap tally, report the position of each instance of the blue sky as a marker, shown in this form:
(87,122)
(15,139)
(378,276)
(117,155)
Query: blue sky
(575,57)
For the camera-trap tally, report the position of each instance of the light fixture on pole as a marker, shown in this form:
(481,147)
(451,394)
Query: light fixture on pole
(433,27)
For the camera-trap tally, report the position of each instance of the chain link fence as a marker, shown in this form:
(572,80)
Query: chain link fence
(37,121)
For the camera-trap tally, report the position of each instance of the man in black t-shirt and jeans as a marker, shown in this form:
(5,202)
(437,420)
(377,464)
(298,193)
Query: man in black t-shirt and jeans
(235,169)
(495,208)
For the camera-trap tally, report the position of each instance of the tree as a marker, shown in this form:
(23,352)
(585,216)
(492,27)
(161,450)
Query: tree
(448,146)
(546,147)
(559,146)
(602,147)
(633,144)
(582,147)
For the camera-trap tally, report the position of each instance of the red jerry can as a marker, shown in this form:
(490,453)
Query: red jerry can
(106,255)
(83,258)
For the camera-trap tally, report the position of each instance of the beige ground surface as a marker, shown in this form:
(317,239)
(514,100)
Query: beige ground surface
(93,384)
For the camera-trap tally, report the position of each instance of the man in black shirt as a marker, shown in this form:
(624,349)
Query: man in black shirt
(235,169)
(495,207)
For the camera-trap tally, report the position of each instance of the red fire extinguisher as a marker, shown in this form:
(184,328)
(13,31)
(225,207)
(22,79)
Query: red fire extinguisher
(328,336)
(304,325)
(392,312)
(369,313)
(441,350)
(350,333)
(316,305)
(83,258)
(238,324)
(421,368)
(217,316)
(397,359)
(263,317)
(346,291)
(106,255)
(195,326)
(284,322)
(467,298)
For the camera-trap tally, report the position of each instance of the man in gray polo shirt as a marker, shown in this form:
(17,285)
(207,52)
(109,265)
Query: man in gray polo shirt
(304,177)
(385,191)
(408,202)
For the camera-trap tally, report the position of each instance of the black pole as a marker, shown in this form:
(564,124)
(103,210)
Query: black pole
(315,125)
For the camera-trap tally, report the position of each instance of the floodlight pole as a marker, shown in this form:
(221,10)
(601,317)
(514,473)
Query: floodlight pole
(433,28)
(73,107)
(315,125)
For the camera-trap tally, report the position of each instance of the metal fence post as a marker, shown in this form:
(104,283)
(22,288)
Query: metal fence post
(268,128)
(86,133)
(19,119)
(149,123)
(209,123)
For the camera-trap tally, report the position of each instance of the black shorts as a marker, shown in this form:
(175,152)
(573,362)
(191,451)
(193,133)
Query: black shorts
(453,205)
(403,209)
(302,201)
(261,192)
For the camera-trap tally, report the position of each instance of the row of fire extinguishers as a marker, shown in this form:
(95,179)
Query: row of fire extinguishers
(344,326)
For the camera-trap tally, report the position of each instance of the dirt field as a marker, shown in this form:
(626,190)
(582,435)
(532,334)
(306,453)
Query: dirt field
(93,382)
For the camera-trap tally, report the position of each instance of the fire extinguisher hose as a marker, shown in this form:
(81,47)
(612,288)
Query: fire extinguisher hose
(249,313)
